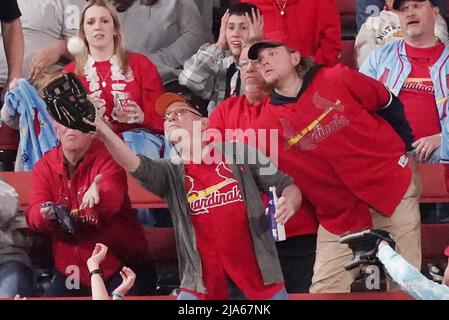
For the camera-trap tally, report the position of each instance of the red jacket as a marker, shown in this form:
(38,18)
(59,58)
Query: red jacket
(238,113)
(111,222)
(310,26)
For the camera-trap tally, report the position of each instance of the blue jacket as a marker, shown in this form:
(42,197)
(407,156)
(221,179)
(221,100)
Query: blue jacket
(389,65)
(25,101)
(410,279)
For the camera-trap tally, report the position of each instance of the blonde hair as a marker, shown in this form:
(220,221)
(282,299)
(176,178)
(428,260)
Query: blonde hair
(305,63)
(119,49)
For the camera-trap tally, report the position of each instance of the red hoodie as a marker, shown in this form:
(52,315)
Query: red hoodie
(111,222)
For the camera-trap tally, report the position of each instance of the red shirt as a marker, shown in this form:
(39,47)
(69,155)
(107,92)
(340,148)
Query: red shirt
(310,26)
(143,83)
(238,113)
(347,157)
(223,236)
(111,222)
(418,93)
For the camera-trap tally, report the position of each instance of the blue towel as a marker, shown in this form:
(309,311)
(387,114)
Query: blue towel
(25,101)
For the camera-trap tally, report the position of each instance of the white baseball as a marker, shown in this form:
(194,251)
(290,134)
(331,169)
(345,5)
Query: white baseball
(75,45)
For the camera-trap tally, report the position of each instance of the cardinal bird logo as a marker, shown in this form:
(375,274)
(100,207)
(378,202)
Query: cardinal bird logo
(324,104)
(315,131)
(202,200)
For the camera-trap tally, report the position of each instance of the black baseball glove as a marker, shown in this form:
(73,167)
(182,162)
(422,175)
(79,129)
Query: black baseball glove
(61,215)
(365,245)
(68,103)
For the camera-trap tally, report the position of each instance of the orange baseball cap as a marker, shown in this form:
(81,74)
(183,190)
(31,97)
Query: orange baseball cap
(166,99)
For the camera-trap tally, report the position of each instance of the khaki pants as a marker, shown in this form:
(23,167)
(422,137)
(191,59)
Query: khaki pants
(404,226)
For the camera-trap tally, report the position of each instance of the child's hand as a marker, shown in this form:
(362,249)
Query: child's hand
(128,278)
(97,257)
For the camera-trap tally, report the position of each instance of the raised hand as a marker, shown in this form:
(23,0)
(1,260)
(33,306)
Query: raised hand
(128,278)
(222,41)
(255,26)
(97,257)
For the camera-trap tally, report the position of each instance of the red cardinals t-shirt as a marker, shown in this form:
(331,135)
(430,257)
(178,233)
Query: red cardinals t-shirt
(235,119)
(223,236)
(347,158)
(418,94)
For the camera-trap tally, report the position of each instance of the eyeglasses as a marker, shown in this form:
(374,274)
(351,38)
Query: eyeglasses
(178,113)
(244,64)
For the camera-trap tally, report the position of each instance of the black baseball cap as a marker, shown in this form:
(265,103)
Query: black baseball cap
(397,3)
(253,52)
(191,100)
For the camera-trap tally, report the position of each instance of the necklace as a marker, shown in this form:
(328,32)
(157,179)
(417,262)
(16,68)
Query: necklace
(424,61)
(281,8)
(103,80)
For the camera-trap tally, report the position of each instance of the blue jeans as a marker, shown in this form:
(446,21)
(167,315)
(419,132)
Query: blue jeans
(15,278)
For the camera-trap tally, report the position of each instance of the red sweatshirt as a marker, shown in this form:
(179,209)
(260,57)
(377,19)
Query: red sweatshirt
(111,222)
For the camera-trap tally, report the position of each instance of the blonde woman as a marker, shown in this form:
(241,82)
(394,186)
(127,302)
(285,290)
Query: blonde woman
(125,83)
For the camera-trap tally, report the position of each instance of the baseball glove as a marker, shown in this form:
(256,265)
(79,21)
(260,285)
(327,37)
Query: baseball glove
(64,219)
(68,103)
(365,245)
(61,215)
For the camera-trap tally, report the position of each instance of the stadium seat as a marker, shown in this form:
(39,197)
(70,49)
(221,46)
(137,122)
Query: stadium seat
(9,142)
(347,18)
(435,238)
(347,55)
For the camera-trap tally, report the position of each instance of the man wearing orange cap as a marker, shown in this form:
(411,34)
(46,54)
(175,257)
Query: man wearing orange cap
(223,238)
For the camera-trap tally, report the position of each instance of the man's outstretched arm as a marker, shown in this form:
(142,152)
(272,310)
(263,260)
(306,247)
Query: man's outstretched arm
(121,153)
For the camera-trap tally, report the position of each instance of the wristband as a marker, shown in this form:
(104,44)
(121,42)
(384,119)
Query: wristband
(117,295)
(96,271)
